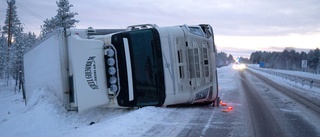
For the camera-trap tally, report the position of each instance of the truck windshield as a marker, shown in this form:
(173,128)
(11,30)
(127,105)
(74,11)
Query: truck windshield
(146,67)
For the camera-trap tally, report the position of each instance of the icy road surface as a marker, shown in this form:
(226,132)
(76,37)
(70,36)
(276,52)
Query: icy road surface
(246,93)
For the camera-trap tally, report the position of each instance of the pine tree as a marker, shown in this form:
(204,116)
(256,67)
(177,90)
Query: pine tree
(230,59)
(14,20)
(221,59)
(16,55)
(31,40)
(289,59)
(3,53)
(63,19)
(313,59)
(48,27)
(255,57)
(10,30)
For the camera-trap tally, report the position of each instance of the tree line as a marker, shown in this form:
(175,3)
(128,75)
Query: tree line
(223,59)
(13,46)
(289,59)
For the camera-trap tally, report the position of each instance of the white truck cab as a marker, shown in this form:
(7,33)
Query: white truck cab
(144,65)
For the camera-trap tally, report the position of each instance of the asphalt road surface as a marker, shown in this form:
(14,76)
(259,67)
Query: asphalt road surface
(263,121)
(261,108)
(294,113)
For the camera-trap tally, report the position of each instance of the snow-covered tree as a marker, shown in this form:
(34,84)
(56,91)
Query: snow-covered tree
(24,41)
(31,40)
(3,55)
(16,55)
(64,16)
(288,59)
(244,60)
(255,57)
(14,20)
(230,59)
(222,59)
(11,26)
(313,59)
(48,26)
(63,19)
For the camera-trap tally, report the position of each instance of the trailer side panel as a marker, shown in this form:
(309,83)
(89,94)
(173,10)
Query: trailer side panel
(43,67)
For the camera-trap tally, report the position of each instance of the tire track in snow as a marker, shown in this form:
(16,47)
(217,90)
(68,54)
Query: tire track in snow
(172,124)
(263,122)
(295,123)
(291,93)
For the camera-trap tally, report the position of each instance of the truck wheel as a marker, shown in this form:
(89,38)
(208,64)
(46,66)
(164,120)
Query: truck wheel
(216,102)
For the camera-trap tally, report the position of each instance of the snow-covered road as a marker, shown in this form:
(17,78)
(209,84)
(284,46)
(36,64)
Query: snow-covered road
(45,116)
(269,108)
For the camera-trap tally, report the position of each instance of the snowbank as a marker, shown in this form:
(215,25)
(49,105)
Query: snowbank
(46,116)
(42,113)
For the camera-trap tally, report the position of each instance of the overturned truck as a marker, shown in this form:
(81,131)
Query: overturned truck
(143,65)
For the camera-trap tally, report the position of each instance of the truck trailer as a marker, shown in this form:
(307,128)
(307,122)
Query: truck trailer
(143,65)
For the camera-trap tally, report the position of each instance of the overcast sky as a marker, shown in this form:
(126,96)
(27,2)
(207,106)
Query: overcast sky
(240,26)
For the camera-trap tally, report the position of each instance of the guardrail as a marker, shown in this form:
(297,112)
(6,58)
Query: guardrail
(297,79)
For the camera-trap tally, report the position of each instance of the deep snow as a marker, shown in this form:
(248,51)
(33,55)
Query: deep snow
(45,116)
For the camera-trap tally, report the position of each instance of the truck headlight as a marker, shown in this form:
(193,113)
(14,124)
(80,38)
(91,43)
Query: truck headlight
(111,61)
(109,52)
(112,71)
(113,88)
(113,80)
(112,68)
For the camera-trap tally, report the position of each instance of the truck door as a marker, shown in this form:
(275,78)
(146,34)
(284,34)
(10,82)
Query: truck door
(87,69)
